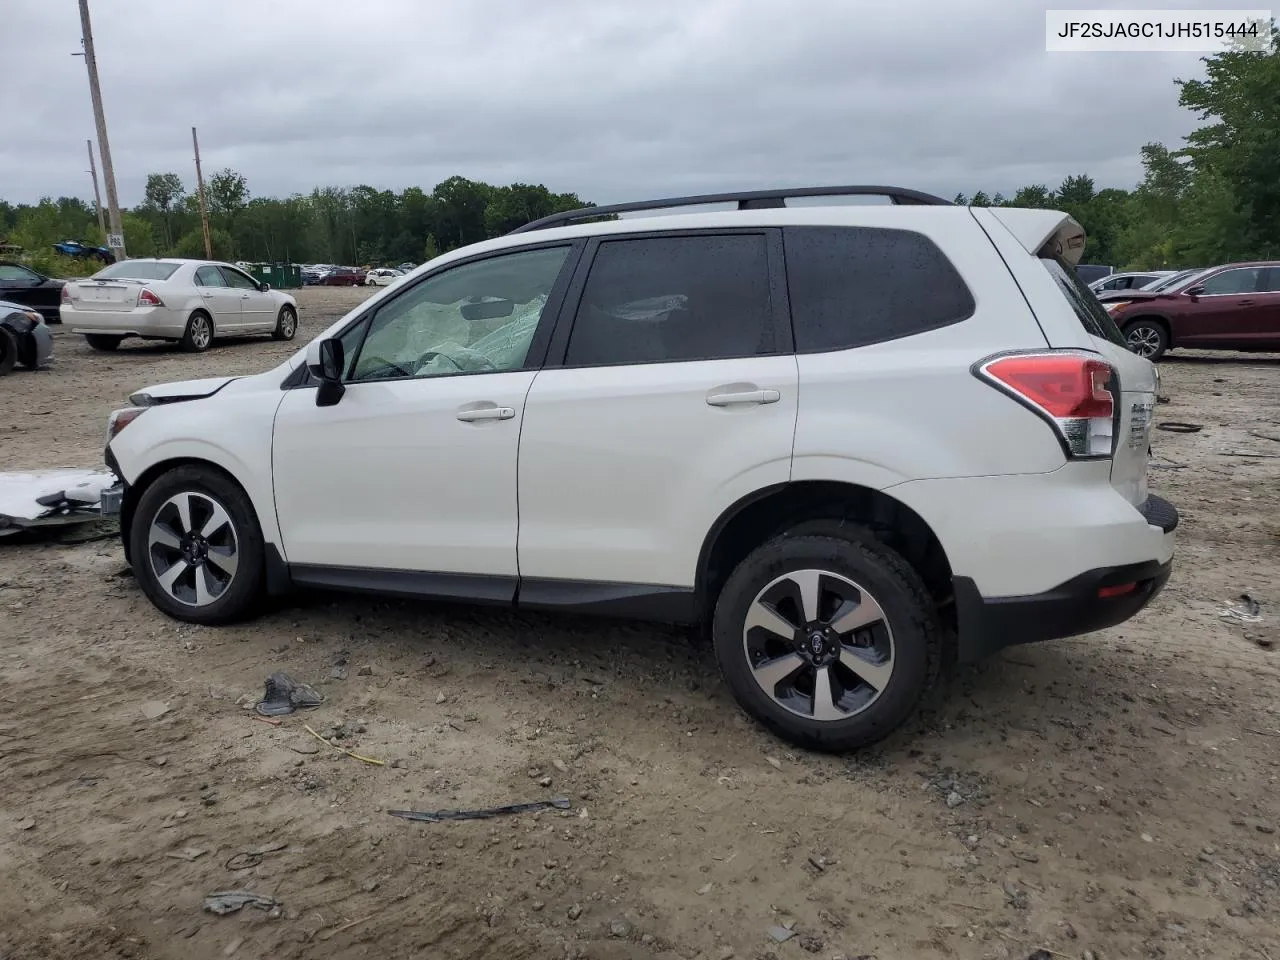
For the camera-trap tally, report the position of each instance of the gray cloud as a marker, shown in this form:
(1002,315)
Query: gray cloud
(612,99)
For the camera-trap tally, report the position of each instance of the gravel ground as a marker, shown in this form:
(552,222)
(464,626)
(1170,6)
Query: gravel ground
(1108,796)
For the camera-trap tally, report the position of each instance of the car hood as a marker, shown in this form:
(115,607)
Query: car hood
(179,390)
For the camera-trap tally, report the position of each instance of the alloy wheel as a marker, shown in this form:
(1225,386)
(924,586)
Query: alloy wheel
(193,548)
(288,324)
(201,334)
(1143,340)
(819,645)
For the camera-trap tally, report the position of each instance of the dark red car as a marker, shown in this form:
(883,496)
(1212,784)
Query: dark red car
(343,277)
(1232,307)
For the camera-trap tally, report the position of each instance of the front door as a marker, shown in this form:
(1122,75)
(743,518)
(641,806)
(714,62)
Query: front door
(222,302)
(257,309)
(1225,310)
(673,395)
(408,483)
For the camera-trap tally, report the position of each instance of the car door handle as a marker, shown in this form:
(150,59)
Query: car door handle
(1245,303)
(244,296)
(207,295)
(471,415)
(730,397)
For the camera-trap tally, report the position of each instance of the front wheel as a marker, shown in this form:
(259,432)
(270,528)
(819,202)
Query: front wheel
(1146,338)
(829,641)
(102,341)
(199,333)
(286,324)
(196,547)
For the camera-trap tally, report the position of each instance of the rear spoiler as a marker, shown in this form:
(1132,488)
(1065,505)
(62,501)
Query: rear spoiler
(1044,233)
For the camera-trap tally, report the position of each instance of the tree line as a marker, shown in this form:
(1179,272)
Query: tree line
(1214,200)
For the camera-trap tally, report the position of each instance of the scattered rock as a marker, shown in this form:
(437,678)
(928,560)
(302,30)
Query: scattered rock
(1041,955)
(397,764)
(441,698)
(575,912)
(154,709)
(954,799)
(1088,955)
(774,762)
(620,928)
(1147,838)
(160,761)
(705,889)
(811,942)
(305,746)
(830,919)
(27,823)
(726,953)
(560,765)
(1265,828)
(1015,896)
(1068,930)
(338,673)
(365,670)
(544,782)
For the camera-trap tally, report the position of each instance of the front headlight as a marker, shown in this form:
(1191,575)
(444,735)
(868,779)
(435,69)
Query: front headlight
(1116,305)
(121,418)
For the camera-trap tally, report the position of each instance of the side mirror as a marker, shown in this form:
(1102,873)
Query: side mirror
(264,286)
(330,361)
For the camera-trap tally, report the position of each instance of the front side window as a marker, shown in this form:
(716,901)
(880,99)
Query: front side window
(475,318)
(209,277)
(1244,280)
(669,299)
(1271,283)
(237,279)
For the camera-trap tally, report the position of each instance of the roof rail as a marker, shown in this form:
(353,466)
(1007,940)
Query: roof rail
(746,200)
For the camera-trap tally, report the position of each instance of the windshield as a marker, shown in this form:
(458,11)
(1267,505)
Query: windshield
(1091,314)
(137,270)
(1168,283)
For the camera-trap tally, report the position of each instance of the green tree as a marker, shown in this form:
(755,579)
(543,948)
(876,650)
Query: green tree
(163,192)
(192,245)
(227,193)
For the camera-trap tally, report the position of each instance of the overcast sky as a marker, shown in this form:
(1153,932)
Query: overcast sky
(611,99)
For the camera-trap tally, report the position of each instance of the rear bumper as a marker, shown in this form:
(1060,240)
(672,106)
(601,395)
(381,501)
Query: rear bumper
(145,322)
(1094,600)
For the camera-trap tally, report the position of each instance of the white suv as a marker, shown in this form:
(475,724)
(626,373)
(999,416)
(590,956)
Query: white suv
(859,440)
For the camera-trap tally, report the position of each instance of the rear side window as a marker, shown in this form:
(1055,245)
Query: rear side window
(852,286)
(209,277)
(1091,314)
(667,299)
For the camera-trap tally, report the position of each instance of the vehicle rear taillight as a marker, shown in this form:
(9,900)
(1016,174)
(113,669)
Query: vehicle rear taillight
(148,299)
(1072,391)
(66,293)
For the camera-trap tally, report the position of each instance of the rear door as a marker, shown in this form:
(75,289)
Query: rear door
(670,392)
(1269,309)
(257,309)
(220,300)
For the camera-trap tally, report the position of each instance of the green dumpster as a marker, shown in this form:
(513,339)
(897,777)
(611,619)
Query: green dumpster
(281,276)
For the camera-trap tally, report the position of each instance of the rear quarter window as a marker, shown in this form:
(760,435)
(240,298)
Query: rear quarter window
(854,286)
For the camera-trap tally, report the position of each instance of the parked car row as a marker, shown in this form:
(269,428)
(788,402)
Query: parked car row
(1233,306)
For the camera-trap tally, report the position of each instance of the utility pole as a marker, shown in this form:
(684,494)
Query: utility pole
(97,197)
(115,239)
(204,210)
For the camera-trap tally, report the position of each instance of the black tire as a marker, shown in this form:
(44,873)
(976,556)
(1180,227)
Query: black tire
(102,341)
(910,630)
(8,351)
(228,597)
(198,336)
(1147,338)
(286,324)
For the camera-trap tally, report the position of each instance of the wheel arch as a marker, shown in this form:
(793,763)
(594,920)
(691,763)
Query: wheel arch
(277,577)
(1158,318)
(765,513)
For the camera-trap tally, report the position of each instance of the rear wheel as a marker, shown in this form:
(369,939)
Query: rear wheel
(286,324)
(8,351)
(199,333)
(829,641)
(196,547)
(102,341)
(1146,338)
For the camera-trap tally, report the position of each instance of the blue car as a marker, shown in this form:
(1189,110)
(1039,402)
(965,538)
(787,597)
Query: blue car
(82,251)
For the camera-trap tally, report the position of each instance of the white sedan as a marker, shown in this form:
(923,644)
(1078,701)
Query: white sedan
(383,277)
(189,301)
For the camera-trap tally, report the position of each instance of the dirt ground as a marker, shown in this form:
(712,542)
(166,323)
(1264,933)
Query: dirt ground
(1109,796)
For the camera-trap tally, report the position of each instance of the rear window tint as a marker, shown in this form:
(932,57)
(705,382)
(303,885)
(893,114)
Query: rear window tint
(1088,310)
(137,270)
(853,286)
